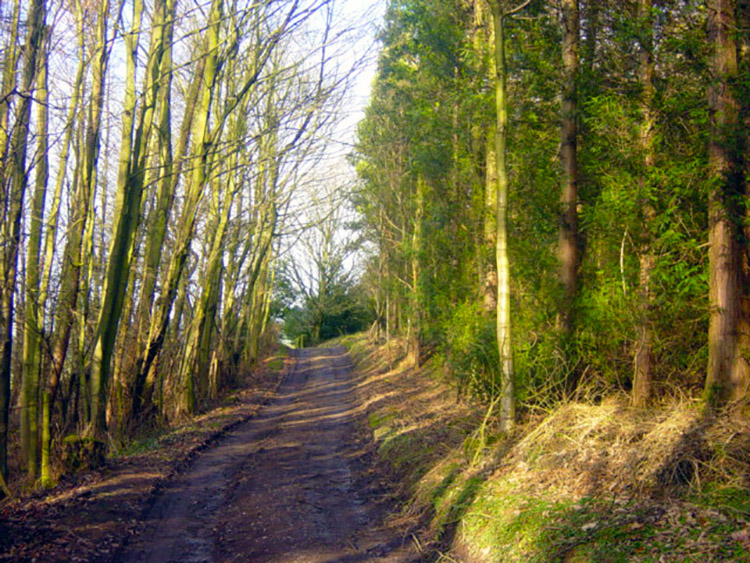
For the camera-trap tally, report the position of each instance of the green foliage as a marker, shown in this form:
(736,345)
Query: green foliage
(507,526)
(731,500)
(422,155)
(613,223)
(470,351)
(538,495)
(319,318)
(543,366)
(417,159)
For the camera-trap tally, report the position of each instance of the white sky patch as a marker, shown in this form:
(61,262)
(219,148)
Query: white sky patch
(332,178)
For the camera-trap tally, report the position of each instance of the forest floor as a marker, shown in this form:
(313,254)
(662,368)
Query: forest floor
(282,474)
(382,461)
(580,481)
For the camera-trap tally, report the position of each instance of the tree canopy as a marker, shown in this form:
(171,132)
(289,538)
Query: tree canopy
(617,129)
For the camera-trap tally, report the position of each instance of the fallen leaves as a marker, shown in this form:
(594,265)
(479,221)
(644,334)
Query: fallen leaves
(91,515)
(742,536)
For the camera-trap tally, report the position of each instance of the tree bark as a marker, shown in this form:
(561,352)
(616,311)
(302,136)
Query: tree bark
(67,302)
(727,377)
(150,330)
(196,345)
(51,380)
(643,361)
(11,227)
(743,371)
(131,177)
(503,328)
(568,243)
(10,70)
(34,306)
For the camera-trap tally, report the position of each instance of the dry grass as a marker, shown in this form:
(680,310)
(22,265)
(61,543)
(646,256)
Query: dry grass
(580,482)
(614,449)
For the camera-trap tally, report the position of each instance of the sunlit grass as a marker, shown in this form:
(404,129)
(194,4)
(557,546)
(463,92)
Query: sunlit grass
(585,482)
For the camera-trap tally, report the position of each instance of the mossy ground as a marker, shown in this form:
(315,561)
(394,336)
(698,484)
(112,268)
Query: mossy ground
(581,483)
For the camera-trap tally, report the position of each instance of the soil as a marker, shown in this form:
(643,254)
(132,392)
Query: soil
(285,486)
(90,515)
(288,476)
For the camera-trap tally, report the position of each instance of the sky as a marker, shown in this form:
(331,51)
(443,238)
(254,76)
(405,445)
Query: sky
(364,18)
(368,16)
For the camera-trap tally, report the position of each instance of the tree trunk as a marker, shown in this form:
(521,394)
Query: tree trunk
(727,367)
(150,331)
(34,307)
(643,362)
(568,243)
(417,293)
(504,343)
(130,183)
(50,235)
(10,68)
(743,370)
(195,363)
(591,33)
(85,181)
(11,227)
(489,288)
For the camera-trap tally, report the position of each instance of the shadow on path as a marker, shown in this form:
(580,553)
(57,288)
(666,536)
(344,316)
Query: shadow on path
(285,486)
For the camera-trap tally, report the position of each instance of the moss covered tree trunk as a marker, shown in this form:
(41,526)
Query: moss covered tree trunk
(14,204)
(50,376)
(503,328)
(169,176)
(34,305)
(85,181)
(130,183)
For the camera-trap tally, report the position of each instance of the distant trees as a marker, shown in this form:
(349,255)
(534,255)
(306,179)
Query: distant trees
(142,203)
(318,295)
(625,107)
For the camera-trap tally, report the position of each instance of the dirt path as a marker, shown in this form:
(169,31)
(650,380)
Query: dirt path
(286,486)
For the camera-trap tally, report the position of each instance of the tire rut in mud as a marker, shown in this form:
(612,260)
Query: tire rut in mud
(286,486)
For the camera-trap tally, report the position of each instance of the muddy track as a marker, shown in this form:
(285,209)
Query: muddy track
(286,486)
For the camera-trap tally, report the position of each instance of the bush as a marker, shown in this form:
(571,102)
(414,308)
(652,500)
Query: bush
(470,351)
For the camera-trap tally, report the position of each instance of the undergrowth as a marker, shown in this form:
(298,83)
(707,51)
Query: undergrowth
(582,482)
(161,437)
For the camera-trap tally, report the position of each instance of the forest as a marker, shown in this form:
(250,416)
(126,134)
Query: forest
(557,197)
(551,203)
(154,159)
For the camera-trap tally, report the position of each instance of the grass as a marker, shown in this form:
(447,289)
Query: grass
(158,440)
(584,483)
(730,500)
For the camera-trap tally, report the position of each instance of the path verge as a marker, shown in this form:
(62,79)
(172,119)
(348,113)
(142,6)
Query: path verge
(582,482)
(89,516)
